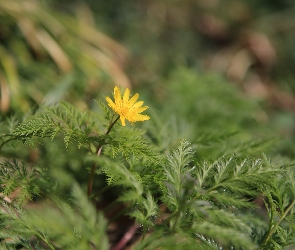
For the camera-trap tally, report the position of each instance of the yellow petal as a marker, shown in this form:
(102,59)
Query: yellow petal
(110,102)
(129,110)
(126,95)
(138,104)
(117,94)
(139,110)
(140,118)
(122,118)
(133,99)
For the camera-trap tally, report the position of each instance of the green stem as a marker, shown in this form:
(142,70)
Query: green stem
(186,205)
(144,233)
(4,142)
(45,240)
(92,172)
(98,152)
(175,222)
(112,125)
(274,228)
(17,218)
(170,217)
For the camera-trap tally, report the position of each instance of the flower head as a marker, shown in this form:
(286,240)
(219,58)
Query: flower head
(127,109)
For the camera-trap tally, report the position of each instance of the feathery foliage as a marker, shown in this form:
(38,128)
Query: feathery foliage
(55,225)
(152,183)
(50,121)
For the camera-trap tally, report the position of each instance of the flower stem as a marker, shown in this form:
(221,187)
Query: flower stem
(98,152)
(4,142)
(111,125)
(274,228)
(90,181)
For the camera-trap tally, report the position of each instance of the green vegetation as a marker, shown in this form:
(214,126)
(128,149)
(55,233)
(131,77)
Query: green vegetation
(213,168)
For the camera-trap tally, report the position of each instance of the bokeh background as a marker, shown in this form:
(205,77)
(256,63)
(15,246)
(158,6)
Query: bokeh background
(219,73)
(217,65)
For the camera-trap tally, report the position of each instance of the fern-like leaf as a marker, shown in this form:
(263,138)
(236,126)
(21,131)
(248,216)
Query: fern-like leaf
(130,142)
(50,121)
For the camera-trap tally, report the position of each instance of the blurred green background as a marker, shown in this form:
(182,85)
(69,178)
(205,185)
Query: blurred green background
(219,73)
(216,66)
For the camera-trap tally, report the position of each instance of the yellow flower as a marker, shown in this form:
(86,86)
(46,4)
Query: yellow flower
(127,109)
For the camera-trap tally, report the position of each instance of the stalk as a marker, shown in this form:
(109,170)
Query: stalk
(274,228)
(98,152)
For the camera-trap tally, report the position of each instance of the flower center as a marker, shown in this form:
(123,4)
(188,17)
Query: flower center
(123,108)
